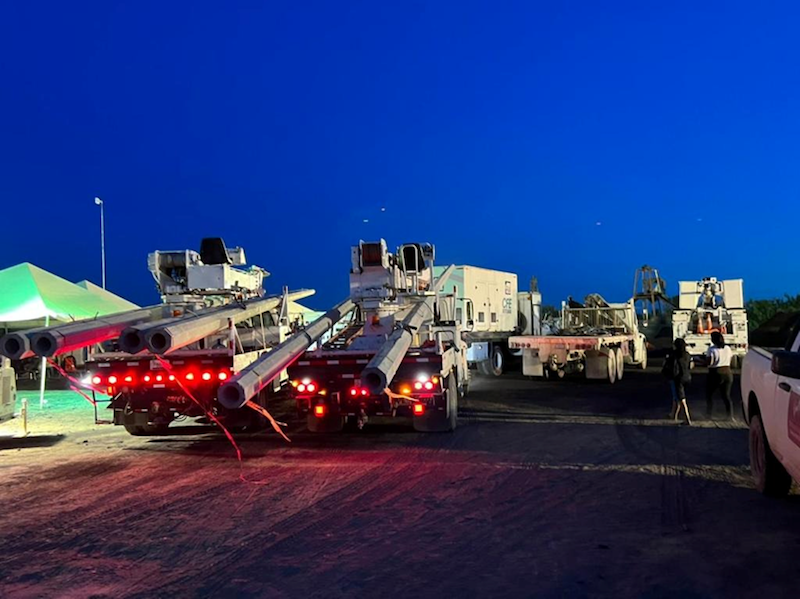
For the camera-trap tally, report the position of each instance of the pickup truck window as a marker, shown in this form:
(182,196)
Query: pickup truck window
(778,332)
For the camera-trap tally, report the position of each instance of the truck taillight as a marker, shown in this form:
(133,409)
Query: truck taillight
(356,391)
(147,378)
(419,409)
(112,380)
(128,379)
(306,386)
(159,378)
(96,380)
(206,376)
(222,375)
(319,410)
(425,383)
(190,376)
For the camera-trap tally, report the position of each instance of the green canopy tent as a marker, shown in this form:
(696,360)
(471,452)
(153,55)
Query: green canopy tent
(32,297)
(29,296)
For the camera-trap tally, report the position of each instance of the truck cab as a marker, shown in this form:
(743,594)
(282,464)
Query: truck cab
(771,404)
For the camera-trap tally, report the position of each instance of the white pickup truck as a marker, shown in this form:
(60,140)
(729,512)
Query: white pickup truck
(771,405)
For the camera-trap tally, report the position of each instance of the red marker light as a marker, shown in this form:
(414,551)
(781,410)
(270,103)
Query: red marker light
(419,409)
(159,378)
(96,380)
(147,378)
(428,385)
(319,410)
(112,380)
(128,379)
(418,386)
(353,391)
(301,388)
(206,376)
(190,376)
(223,376)
(364,392)
(311,387)
(172,377)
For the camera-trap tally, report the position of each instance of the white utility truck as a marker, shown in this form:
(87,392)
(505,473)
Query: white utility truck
(709,306)
(166,362)
(771,406)
(596,339)
(490,309)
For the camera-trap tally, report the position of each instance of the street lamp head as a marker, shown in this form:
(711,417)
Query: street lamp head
(98,201)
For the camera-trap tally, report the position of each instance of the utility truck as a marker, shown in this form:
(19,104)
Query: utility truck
(165,363)
(597,340)
(709,306)
(400,353)
(771,406)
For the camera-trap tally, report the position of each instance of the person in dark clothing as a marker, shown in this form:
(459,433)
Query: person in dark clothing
(678,370)
(720,377)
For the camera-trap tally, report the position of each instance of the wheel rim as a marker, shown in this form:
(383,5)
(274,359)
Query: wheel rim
(497,361)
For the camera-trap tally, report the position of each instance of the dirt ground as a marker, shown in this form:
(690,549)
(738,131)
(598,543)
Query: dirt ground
(547,489)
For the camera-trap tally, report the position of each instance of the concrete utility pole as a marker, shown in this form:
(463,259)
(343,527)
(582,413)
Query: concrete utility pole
(99,202)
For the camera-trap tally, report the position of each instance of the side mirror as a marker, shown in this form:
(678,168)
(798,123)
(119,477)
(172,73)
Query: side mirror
(786,363)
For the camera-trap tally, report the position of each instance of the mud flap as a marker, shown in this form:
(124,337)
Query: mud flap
(531,364)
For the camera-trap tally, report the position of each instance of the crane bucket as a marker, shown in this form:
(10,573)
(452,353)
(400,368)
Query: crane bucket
(251,380)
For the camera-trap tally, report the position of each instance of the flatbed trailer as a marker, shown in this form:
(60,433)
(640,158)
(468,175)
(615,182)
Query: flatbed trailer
(599,340)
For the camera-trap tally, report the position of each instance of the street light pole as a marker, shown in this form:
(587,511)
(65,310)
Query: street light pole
(99,202)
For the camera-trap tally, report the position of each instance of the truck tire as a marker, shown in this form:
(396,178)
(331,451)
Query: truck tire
(496,364)
(436,422)
(612,366)
(643,363)
(620,363)
(769,475)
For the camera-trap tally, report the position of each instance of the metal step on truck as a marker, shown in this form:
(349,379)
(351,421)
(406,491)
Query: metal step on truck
(596,340)
(400,353)
(165,363)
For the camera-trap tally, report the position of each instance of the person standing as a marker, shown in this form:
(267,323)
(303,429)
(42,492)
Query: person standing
(720,376)
(677,369)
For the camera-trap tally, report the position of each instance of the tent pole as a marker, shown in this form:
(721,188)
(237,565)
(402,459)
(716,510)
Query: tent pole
(43,370)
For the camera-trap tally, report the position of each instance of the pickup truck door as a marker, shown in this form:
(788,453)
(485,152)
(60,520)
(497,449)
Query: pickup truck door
(787,419)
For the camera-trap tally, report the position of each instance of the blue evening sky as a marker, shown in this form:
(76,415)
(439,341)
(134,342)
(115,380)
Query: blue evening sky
(574,141)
